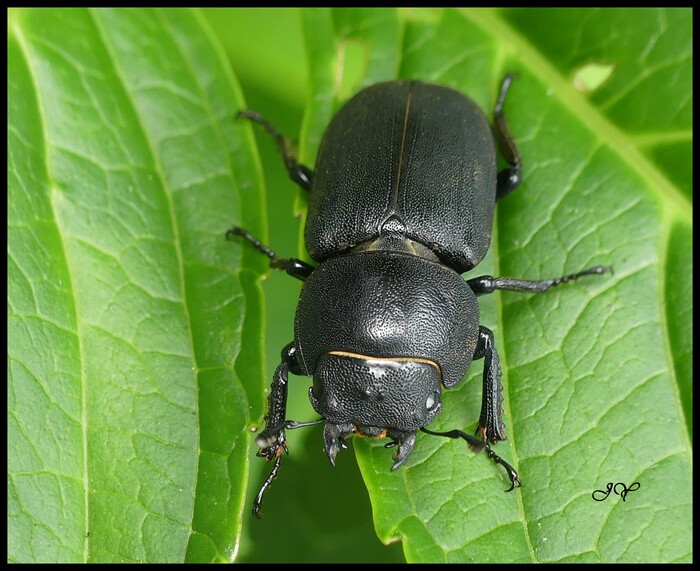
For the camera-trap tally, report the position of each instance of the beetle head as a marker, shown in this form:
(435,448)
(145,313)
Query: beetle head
(376,397)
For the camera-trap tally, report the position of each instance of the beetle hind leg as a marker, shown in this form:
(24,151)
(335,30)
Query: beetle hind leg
(510,177)
(300,174)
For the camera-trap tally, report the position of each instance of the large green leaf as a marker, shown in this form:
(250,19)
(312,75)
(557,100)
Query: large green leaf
(127,416)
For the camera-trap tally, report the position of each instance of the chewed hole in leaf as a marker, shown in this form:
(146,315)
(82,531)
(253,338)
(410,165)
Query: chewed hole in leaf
(591,76)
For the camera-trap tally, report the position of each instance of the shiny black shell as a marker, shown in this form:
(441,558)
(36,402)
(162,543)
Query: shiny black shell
(387,304)
(409,157)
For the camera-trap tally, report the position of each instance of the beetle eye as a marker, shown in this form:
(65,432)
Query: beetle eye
(431,401)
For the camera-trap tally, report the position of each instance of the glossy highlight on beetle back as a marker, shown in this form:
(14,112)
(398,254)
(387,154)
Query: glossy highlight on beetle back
(388,304)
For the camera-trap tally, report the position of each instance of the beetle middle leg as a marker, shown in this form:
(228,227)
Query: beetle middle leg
(490,421)
(488,284)
(300,174)
(293,266)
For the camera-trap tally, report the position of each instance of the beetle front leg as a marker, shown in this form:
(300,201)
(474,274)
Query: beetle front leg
(272,440)
(299,173)
(491,426)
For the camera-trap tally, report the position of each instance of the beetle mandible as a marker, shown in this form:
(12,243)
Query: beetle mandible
(401,203)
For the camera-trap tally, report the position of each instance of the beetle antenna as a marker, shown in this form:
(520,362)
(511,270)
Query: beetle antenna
(292,424)
(477,445)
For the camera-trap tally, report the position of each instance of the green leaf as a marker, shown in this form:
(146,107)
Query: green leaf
(597,374)
(127,410)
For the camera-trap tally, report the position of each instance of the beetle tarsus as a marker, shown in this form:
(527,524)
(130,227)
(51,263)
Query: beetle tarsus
(257,503)
(505,86)
(512,473)
(237,231)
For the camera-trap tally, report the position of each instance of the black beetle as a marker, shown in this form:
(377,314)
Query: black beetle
(401,203)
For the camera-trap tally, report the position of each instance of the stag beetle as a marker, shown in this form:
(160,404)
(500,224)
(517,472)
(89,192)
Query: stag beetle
(401,203)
